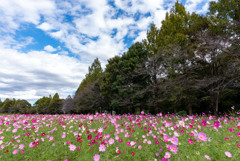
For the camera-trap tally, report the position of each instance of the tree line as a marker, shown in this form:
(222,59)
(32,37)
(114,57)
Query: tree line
(188,65)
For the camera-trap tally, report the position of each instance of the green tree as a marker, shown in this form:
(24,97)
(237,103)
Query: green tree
(42,104)
(88,95)
(7,104)
(54,106)
(108,85)
(94,73)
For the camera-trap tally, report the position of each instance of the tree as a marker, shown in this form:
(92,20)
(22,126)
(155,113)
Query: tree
(128,84)
(219,59)
(7,104)
(94,72)
(88,95)
(54,106)
(42,104)
(107,86)
(69,105)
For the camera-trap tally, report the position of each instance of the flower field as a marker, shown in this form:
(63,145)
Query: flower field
(119,137)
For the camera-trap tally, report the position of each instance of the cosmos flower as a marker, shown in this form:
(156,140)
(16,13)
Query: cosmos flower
(228,154)
(167,155)
(181,123)
(190,141)
(111,141)
(96,157)
(32,144)
(216,123)
(14,130)
(72,147)
(102,148)
(173,148)
(207,157)
(21,146)
(15,151)
(174,140)
(238,134)
(202,136)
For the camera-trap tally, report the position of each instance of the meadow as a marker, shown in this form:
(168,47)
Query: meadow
(108,137)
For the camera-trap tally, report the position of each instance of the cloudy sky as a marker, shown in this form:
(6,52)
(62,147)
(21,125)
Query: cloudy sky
(46,46)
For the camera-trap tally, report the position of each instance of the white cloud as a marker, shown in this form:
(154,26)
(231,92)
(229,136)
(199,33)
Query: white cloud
(35,74)
(45,26)
(87,28)
(197,6)
(49,48)
(15,12)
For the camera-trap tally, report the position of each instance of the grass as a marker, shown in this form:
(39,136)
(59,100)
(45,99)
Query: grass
(144,133)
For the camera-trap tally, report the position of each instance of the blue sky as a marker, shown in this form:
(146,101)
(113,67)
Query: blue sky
(46,46)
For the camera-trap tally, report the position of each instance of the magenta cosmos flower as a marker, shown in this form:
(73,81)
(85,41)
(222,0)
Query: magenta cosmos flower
(238,134)
(202,136)
(96,157)
(190,141)
(216,123)
(228,154)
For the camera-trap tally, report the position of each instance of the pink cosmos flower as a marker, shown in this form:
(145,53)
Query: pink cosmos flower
(100,129)
(174,140)
(228,154)
(149,142)
(21,146)
(51,138)
(90,117)
(15,151)
(202,136)
(166,137)
(173,148)
(63,136)
(14,130)
(72,147)
(102,148)
(167,155)
(111,141)
(206,156)
(96,157)
(139,147)
(32,144)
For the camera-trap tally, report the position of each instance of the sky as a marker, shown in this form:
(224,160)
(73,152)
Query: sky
(46,46)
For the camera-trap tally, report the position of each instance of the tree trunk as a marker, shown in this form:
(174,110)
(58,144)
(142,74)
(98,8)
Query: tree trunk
(175,109)
(190,109)
(215,98)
